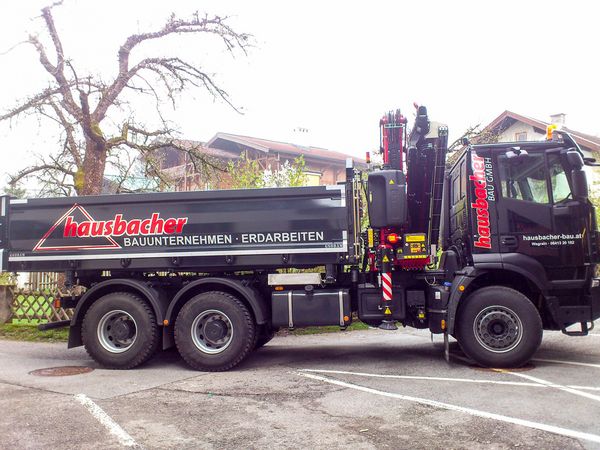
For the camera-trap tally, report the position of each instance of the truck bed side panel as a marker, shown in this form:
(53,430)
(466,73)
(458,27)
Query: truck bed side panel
(203,230)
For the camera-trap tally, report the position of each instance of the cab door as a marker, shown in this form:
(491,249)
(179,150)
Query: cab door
(537,216)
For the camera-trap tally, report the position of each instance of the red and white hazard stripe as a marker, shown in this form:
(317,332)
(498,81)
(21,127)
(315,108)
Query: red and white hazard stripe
(386,286)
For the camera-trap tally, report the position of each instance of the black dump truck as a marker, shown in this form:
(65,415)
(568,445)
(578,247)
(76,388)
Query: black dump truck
(491,251)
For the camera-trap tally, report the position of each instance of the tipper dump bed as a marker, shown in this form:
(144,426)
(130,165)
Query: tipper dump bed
(201,231)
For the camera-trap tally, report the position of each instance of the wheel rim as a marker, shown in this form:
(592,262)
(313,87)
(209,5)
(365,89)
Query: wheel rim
(212,331)
(117,331)
(498,329)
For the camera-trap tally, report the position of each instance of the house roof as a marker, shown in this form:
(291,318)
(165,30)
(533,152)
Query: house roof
(226,141)
(203,147)
(507,118)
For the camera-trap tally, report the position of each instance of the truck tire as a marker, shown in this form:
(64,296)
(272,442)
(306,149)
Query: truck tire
(499,327)
(214,331)
(119,331)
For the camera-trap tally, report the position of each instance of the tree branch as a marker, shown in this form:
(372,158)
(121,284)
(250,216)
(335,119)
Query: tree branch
(32,102)
(70,141)
(180,73)
(194,151)
(215,25)
(60,56)
(10,49)
(57,71)
(14,179)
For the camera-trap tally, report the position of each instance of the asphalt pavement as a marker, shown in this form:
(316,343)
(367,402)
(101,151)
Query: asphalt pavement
(368,389)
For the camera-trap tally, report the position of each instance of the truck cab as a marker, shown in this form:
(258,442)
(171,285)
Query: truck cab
(519,215)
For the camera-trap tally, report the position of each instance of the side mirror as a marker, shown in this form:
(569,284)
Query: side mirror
(515,153)
(578,176)
(580,185)
(574,158)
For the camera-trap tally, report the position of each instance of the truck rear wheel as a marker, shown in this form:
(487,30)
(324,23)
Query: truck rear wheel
(499,327)
(214,331)
(119,331)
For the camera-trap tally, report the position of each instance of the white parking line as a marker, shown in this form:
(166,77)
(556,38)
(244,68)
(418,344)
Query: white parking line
(415,377)
(113,427)
(583,388)
(458,380)
(473,412)
(573,363)
(560,387)
(553,361)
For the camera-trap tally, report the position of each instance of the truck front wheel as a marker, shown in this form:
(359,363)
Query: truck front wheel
(119,331)
(214,331)
(499,327)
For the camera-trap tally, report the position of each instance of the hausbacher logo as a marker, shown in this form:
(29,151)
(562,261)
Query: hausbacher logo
(119,226)
(99,234)
(482,179)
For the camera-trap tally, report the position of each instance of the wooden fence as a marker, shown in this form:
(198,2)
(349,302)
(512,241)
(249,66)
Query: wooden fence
(42,281)
(34,303)
(35,307)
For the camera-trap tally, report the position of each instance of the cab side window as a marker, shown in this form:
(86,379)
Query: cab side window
(456,188)
(459,186)
(524,178)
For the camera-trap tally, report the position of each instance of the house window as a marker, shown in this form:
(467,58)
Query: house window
(170,157)
(521,136)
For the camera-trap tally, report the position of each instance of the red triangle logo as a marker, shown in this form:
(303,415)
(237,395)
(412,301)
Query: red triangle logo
(86,243)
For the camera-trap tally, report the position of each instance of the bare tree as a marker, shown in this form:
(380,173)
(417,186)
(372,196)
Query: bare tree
(82,105)
(135,174)
(473,134)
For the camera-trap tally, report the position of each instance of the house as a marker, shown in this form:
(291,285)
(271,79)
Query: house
(322,166)
(513,127)
(187,173)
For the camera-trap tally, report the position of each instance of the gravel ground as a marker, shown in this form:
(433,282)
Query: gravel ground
(368,389)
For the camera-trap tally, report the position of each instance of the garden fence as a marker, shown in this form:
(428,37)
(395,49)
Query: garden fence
(34,303)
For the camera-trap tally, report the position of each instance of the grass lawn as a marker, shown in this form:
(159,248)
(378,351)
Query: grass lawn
(18,332)
(356,325)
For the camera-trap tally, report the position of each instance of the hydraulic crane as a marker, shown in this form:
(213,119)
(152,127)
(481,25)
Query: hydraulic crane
(407,234)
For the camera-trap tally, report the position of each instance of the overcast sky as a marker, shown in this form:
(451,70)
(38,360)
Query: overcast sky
(332,67)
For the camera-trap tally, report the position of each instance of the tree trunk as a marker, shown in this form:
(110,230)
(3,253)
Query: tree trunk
(94,164)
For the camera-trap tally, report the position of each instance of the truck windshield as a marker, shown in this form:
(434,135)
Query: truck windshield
(524,178)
